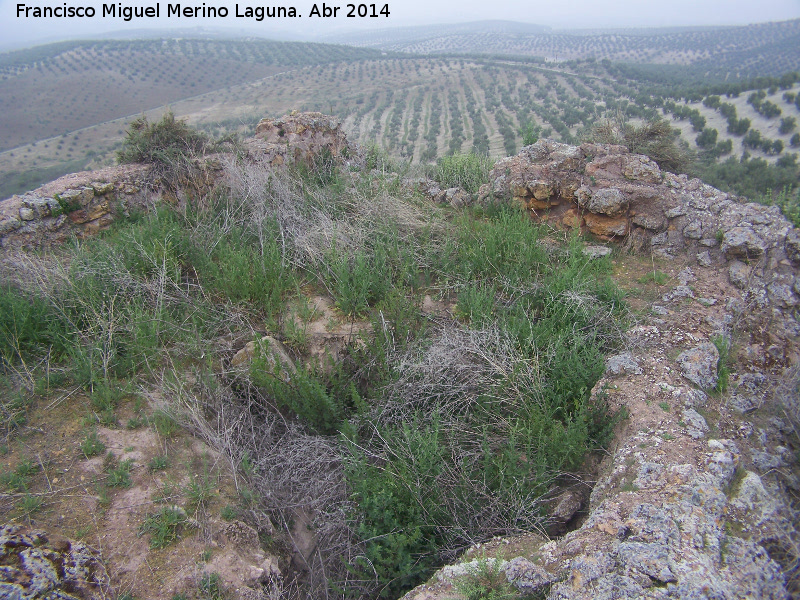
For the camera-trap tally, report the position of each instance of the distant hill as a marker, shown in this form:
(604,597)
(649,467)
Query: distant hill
(719,52)
(402,38)
(50,90)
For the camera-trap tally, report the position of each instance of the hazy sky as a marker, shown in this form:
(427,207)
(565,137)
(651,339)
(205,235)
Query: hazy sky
(19,31)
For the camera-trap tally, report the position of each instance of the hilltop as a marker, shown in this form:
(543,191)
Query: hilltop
(287,368)
(715,52)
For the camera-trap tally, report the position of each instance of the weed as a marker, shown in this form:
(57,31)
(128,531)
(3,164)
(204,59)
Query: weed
(199,491)
(147,142)
(13,481)
(164,526)
(723,345)
(664,406)
(485,580)
(30,504)
(135,423)
(103,496)
(467,171)
(158,463)
(229,512)
(119,475)
(658,277)
(164,424)
(247,496)
(83,531)
(167,493)
(211,588)
(246,465)
(92,445)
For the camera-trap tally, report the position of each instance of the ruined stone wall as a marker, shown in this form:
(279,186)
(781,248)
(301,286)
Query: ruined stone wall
(79,204)
(697,497)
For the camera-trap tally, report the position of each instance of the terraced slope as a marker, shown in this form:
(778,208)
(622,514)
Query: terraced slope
(752,50)
(55,89)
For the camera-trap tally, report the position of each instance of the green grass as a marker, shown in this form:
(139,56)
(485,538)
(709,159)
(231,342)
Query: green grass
(158,463)
(658,277)
(723,345)
(18,480)
(486,580)
(164,526)
(467,171)
(428,466)
(119,473)
(92,445)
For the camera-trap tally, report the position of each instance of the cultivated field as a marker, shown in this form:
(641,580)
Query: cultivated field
(70,103)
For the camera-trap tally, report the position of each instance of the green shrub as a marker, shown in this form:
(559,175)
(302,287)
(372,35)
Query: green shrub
(485,580)
(656,139)
(723,345)
(467,171)
(162,142)
(320,403)
(358,281)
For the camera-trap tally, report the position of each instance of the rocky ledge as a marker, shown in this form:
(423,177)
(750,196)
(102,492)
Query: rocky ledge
(697,497)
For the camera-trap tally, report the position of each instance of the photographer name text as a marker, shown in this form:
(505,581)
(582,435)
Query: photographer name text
(200,11)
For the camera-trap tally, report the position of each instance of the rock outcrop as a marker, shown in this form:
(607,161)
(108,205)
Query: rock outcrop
(300,137)
(34,566)
(695,499)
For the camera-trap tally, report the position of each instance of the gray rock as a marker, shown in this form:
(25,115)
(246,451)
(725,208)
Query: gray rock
(648,221)
(694,230)
(781,295)
(607,201)
(696,425)
(696,398)
(739,274)
(743,242)
(526,576)
(722,460)
(753,499)
(679,291)
(686,276)
(26,213)
(623,363)
(8,225)
(637,167)
(80,197)
(792,245)
(704,258)
(596,251)
(699,365)
(592,566)
(651,559)
(677,211)
(567,504)
(754,574)
(650,475)
(749,392)
(764,461)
